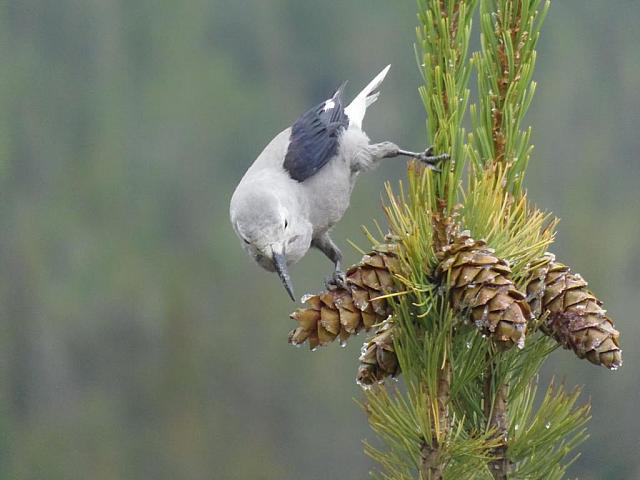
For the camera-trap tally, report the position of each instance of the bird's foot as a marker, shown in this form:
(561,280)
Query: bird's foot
(337,280)
(427,157)
(430,160)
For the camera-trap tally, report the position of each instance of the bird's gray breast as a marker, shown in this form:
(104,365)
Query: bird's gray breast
(329,190)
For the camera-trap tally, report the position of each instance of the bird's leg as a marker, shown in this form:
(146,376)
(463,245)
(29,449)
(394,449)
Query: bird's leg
(325,244)
(391,150)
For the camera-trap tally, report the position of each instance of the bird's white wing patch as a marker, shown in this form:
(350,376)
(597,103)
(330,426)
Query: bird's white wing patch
(329,104)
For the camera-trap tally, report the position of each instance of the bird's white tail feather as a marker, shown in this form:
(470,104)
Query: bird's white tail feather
(357,108)
(372,98)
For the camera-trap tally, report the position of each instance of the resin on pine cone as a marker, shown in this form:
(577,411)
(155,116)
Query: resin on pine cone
(480,286)
(344,312)
(378,359)
(574,316)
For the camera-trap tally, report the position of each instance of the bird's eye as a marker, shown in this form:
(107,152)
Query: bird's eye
(286,224)
(245,240)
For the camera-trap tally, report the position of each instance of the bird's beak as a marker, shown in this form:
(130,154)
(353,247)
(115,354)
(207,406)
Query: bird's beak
(280,263)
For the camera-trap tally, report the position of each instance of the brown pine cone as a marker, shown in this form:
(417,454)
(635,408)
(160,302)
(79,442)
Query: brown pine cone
(344,312)
(575,317)
(378,359)
(481,288)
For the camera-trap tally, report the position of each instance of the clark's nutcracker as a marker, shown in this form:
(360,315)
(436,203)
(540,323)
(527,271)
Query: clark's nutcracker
(300,185)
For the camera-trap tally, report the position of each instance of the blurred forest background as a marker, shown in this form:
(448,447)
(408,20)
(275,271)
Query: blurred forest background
(138,341)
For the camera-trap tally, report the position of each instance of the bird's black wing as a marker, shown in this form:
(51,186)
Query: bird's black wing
(314,138)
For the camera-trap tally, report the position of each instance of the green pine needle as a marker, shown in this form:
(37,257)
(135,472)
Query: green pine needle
(439,423)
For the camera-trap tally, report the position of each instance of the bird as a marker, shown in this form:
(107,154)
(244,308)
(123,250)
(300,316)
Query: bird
(300,186)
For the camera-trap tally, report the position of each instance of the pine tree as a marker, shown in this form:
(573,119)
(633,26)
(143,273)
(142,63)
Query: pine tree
(464,298)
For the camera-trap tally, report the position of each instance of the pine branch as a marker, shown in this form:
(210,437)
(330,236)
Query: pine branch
(445,293)
(497,413)
(432,463)
(504,73)
(509,33)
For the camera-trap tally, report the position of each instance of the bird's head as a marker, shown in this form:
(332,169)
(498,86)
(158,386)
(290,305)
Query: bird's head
(273,234)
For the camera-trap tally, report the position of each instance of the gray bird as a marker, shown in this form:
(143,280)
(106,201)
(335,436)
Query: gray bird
(300,185)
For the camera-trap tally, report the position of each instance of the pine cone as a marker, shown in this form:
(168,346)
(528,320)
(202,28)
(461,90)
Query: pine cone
(378,359)
(344,312)
(480,286)
(575,318)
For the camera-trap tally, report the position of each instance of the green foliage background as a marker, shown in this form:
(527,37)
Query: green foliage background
(138,341)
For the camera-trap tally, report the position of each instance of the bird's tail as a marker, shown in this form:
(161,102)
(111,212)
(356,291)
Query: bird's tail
(369,94)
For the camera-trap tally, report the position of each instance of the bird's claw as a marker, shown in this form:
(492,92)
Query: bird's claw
(430,160)
(337,280)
